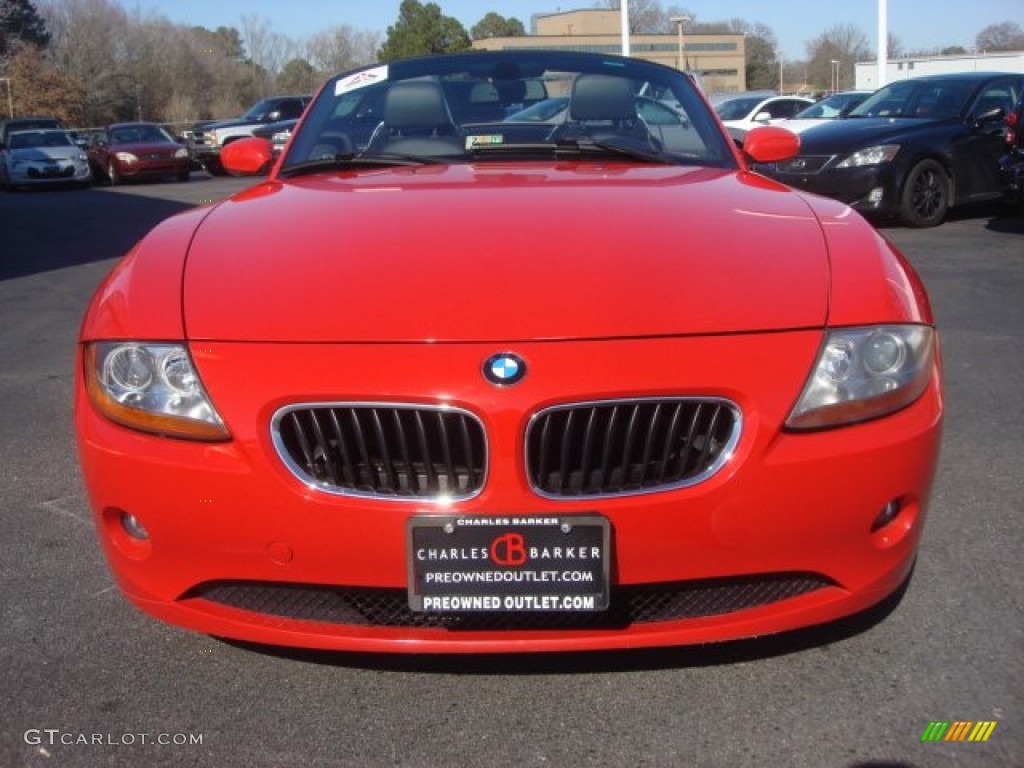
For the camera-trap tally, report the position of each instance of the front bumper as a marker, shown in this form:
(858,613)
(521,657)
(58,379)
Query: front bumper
(873,189)
(240,548)
(155,168)
(64,172)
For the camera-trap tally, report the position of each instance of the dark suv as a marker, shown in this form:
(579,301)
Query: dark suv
(208,138)
(1011,165)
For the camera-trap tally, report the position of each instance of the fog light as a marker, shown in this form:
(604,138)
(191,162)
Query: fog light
(133,527)
(889,513)
(875,196)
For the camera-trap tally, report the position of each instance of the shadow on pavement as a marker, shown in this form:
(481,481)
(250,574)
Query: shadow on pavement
(43,230)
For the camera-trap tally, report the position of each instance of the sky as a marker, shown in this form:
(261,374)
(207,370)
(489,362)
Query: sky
(921,25)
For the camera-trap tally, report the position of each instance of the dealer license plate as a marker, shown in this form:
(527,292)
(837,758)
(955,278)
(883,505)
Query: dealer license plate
(508,563)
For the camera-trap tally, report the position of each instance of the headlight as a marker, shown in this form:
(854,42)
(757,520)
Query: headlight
(865,373)
(152,388)
(281,137)
(179,153)
(871,156)
(126,157)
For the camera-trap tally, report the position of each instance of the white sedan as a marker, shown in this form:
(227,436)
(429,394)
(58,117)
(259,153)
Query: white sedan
(747,112)
(43,157)
(833,107)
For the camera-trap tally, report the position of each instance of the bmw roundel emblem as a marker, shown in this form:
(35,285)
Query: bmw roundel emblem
(504,369)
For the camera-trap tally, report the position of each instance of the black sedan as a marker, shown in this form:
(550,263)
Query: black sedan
(912,150)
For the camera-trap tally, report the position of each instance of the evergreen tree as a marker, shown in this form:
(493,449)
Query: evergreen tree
(496,25)
(20,22)
(422,30)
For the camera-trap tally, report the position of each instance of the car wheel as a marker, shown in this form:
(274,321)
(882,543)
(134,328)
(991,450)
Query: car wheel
(214,168)
(183,175)
(926,195)
(113,174)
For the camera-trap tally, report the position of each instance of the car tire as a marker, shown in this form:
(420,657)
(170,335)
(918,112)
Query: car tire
(926,195)
(113,174)
(214,168)
(184,176)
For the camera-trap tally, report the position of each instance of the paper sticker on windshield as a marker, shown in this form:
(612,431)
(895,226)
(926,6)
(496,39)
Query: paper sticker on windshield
(361,80)
(483,141)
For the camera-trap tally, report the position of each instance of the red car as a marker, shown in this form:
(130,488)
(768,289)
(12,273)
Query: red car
(136,151)
(461,383)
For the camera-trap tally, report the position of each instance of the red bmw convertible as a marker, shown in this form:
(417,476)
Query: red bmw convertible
(510,352)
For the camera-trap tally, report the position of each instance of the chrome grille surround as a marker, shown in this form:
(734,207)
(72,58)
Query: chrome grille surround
(629,447)
(389,451)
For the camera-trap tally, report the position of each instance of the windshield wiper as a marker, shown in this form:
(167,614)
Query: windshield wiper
(349,160)
(576,147)
(647,154)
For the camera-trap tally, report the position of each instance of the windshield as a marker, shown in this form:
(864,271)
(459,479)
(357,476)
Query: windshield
(507,106)
(259,110)
(737,109)
(32,139)
(139,134)
(917,98)
(831,107)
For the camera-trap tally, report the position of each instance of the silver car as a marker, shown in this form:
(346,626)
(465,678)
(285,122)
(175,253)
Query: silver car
(43,157)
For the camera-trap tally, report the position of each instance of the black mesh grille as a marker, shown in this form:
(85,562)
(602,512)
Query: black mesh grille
(385,450)
(631,446)
(629,605)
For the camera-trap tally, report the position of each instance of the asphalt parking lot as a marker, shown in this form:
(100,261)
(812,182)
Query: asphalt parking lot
(86,680)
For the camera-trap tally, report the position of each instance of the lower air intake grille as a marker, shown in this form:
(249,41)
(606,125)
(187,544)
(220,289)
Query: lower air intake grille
(629,446)
(629,605)
(390,450)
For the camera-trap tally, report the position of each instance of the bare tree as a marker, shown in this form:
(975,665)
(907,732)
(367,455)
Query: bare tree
(842,43)
(1006,36)
(87,45)
(267,51)
(339,48)
(761,50)
(646,17)
(894,46)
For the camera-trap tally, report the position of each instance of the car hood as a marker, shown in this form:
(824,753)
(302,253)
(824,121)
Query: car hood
(801,124)
(147,148)
(229,123)
(506,253)
(45,153)
(841,136)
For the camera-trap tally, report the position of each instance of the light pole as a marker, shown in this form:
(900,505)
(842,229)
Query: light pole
(10,98)
(782,75)
(679,21)
(835,75)
(624,23)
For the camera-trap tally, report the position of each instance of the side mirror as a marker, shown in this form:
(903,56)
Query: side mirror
(247,157)
(770,144)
